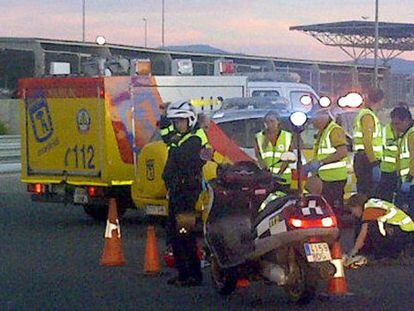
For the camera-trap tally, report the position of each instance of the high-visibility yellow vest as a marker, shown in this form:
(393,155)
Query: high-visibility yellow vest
(334,171)
(167,130)
(199,133)
(389,149)
(271,154)
(394,216)
(376,137)
(404,151)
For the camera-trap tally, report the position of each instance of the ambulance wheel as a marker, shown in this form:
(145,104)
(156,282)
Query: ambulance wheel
(100,212)
(224,280)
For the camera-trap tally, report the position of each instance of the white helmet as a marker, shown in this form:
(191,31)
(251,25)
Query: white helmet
(182,110)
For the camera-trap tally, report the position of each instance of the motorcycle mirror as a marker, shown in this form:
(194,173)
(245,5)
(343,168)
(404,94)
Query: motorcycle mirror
(289,157)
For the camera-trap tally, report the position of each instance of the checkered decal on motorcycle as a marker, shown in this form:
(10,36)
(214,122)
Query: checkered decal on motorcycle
(312,209)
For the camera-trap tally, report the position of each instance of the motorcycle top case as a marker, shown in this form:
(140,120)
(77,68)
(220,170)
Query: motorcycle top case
(229,224)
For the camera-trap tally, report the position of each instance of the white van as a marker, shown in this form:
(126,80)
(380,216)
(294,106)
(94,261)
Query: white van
(292,91)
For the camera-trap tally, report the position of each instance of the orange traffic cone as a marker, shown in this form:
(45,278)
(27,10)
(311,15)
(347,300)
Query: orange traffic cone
(113,254)
(152,260)
(337,284)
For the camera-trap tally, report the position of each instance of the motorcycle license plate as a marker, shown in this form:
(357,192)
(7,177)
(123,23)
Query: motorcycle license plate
(158,210)
(317,252)
(80,196)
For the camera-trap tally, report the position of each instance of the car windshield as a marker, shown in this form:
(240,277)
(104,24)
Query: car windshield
(265,93)
(243,132)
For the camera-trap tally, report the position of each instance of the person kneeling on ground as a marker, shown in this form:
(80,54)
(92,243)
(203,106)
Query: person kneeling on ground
(384,228)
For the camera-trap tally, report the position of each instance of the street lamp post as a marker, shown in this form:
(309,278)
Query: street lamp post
(162,23)
(376,46)
(145,31)
(83,20)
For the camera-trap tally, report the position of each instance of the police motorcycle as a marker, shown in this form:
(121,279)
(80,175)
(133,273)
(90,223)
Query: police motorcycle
(257,232)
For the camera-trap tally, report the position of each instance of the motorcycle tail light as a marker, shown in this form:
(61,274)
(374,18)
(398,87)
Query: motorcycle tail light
(326,222)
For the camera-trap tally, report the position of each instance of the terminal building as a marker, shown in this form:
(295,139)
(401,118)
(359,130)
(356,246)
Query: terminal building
(32,57)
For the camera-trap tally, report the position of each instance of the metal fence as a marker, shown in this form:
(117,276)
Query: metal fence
(9,148)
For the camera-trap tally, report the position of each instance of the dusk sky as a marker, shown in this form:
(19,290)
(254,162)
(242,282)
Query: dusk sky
(258,27)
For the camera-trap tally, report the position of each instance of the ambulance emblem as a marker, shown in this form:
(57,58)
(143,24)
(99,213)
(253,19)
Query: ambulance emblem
(83,121)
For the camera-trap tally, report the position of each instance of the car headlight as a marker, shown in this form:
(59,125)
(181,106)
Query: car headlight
(298,118)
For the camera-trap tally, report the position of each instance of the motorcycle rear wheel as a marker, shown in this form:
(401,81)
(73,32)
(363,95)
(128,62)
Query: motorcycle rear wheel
(224,280)
(302,287)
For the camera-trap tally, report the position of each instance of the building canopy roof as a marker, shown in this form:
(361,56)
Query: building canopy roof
(392,36)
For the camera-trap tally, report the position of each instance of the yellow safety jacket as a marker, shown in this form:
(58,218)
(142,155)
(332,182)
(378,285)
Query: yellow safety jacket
(404,151)
(376,137)
(333,171)
(271,154)
(199,132)
(167,130)
(389,149)
(394,216)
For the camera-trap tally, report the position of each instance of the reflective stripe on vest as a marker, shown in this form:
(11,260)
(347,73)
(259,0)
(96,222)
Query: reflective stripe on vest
(390,150)
(394,216)
(376,136)
(167,130)
(271,154)
(333,171)
(404,150)
(199,133)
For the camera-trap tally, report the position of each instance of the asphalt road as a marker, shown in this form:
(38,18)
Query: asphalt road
(49,260)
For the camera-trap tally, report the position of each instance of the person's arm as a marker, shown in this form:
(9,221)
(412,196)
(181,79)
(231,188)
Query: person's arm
(262,164)
(360,240)
(411,149)
(285,165)
(368,128)
(338,141)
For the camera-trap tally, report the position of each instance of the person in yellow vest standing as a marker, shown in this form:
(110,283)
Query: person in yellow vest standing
(183,178)
(367,144)
(270,144)
(388,184)
(402,121)
(385,229)
(329,159)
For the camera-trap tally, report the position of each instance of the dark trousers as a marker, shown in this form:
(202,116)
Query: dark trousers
(333,192)
(363,173)
(387,186)
(378,246)
(405,201)
(184,243)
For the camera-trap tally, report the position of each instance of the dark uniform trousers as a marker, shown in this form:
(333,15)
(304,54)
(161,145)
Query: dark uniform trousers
(387,186)
(333,192)
(389,246)
(363,173)
(184,244)
(405,201)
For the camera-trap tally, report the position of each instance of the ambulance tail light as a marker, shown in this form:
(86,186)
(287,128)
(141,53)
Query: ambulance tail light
(95,191)
(37,188)
(326,222)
